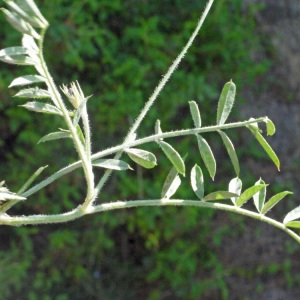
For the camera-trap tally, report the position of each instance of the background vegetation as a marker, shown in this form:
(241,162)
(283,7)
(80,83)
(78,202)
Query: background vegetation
(118,51)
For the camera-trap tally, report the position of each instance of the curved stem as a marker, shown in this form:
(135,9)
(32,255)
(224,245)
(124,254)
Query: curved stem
(135,143)
(79,212)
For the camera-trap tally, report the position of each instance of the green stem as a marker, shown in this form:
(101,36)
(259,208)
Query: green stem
(84,157)
(156,92)
(135,143)
(79,212)
(87,134)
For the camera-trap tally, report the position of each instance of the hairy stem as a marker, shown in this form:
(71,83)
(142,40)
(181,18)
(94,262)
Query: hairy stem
(135,143)
(156,92)
(83,155)
(78,212)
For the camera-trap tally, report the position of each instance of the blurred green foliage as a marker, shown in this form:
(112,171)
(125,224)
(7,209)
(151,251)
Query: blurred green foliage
(118,51)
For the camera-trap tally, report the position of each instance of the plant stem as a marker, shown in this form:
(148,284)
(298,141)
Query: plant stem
(135,143)
(169,73)
(83,155)
(156,92)
(78,212)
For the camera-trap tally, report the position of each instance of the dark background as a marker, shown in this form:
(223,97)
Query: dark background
(118,51)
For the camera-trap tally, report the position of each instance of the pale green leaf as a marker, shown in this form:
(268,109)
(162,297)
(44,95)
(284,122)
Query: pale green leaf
(195,114)
(144,158)
(33,93)
(235,186)
(226,102)
(54,136)
(247,194)
(31,9)
(27,79)
(220,195)
(25,13)
(207,156)
(274,200)
(260,196)
(292,215)
(19,24)
(12,51)
(231,152)
(17,55)
(42,108)
(171,184)
(173,156)
(271,129)
(21,60)
(197,181)
(31,179)
(29,43)
(113,164)
(293,224)
(265,145)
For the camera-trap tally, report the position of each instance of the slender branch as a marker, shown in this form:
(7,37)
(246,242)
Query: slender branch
(135,143)
(90,179)
(156,92)
(171,70)
(78,212)
(84,157)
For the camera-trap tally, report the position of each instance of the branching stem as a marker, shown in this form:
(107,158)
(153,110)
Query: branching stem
(79,212)
(135,143)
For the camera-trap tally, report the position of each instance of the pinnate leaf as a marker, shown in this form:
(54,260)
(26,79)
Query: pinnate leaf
(31,179)
(231,152)
(31,9)
(265,145)
(173,156)
(271,129)
(293,224)
(207,156)
(29,43)
(27,79)
(144,158)
(19,24)
(12,51)
(235,186)
(113,164)
(260,196)
(274,200)
(54,136)
(17,55)
(171,184)
(226,102)
(195,114)
(35,93)
(292,215)
(220,195)
(42,107)
(24,11)
(247,194)
(197,181)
